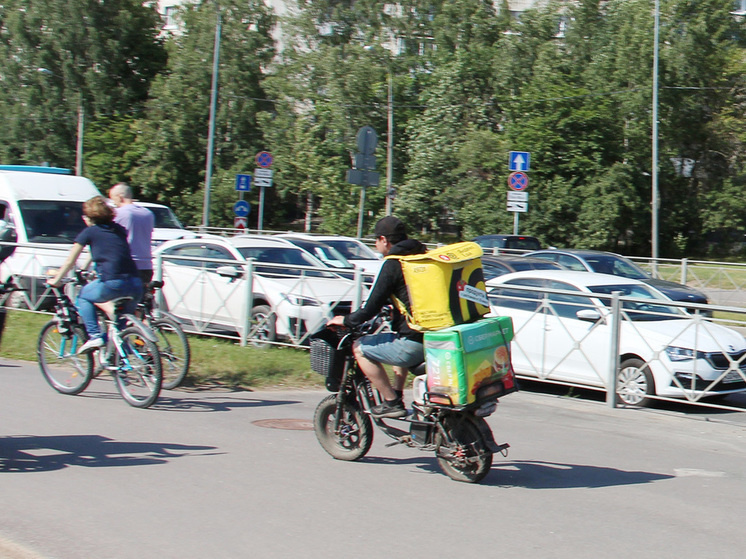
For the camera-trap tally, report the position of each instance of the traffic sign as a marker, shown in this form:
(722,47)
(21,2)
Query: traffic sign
(519,161)
(517,206)
(367,140)
(517,196)
(240,222)
(241,208)
(518,180)
(263,173)
(243,183)
(261,181)
(264,159)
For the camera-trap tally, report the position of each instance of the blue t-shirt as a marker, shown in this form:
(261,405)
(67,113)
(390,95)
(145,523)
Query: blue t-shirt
(109,250)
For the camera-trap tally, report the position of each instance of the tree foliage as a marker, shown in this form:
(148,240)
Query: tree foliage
(570,82)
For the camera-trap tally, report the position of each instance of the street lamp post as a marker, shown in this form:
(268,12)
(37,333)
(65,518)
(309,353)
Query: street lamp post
(211,125)
(655,201)
(81,125)
(390,144)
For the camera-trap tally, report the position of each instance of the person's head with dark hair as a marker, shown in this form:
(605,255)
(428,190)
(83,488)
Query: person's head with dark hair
(392,228)
(98,211)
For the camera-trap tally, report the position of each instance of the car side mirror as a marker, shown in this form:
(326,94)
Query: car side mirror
(589,315)
(229,272)
(7,235)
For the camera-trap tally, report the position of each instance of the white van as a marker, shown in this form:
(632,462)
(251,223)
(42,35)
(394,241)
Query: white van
(45,207)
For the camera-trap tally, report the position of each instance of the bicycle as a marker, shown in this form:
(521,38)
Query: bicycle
(173,343)
(131,354)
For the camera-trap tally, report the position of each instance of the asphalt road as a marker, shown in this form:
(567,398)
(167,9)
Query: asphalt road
(210,474)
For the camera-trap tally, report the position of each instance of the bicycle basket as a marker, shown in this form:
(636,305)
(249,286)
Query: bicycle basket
(325,358)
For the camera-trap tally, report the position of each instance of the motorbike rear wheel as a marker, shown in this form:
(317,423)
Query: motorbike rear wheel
(461,451)
(355,435)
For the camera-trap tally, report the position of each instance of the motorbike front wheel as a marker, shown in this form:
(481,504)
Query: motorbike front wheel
(461,451)
(355,434)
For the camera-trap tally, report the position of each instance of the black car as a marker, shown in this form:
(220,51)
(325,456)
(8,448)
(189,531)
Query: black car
(616,265)
(511,244)
(494,265)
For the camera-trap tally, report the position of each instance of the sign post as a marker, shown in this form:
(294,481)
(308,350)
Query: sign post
(362,174)
(262,179)
(519,162)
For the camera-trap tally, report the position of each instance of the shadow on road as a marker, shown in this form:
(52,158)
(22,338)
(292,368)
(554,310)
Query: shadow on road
(48,453)
(533,474)
(168,403)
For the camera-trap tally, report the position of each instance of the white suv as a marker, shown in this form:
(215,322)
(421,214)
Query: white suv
(293,294)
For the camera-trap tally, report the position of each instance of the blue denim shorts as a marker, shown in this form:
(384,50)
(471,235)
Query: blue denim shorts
(391,349)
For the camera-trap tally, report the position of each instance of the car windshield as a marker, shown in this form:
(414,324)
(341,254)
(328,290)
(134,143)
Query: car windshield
(52,221)
(164,218)
(640,311)
(284,255)
(352,250)
(324,252)
(616,266)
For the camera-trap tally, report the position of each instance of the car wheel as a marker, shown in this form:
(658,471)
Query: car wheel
(635,383)
(264,329)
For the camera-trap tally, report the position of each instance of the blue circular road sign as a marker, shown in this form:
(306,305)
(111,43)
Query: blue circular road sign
(518,180)
(241,208)
(264,159)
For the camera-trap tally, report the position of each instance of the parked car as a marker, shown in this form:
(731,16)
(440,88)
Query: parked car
(510,244)
(354,250)
(329,255)
(497,265)
(288,302)
(616,265)
(663,350)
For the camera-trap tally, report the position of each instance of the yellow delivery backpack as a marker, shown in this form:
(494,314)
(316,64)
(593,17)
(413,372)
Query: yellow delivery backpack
(445,287)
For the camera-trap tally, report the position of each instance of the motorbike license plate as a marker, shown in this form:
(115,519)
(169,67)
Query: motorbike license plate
(486,409)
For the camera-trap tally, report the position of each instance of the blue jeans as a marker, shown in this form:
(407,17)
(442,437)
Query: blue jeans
(390,348)
(101,291)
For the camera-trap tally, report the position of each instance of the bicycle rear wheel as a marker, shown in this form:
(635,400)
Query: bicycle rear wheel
(173,346)
(63,369)
(138,374)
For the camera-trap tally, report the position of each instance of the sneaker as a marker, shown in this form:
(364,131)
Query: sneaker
(390,409)
(91,345)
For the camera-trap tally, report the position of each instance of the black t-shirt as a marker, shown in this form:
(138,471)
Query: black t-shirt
(390,282)
(109,250)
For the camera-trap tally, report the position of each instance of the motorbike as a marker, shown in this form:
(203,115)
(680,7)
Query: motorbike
(459,435)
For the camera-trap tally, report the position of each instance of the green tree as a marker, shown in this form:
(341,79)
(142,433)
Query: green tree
(100,56)
(172,136)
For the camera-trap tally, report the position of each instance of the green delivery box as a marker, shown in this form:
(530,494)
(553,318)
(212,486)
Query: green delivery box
(463,358)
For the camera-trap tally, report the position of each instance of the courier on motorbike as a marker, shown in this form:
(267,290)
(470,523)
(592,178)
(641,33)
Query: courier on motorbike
(403,348)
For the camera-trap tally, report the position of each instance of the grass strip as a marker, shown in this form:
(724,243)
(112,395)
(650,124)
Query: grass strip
(214,361)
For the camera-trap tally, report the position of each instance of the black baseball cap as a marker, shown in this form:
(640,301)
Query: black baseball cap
(389,225)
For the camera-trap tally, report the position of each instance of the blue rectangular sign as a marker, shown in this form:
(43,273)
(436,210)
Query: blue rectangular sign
(243,183)
(519,161)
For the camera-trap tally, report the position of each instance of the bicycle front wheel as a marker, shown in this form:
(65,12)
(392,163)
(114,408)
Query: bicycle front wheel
(173,346)
(138,374)
(64,370)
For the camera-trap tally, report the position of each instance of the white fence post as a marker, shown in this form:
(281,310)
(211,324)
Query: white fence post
(246,323)
(684,269)
(616,317)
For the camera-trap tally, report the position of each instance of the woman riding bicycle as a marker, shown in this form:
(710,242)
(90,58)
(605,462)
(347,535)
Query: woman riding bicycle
(117,273)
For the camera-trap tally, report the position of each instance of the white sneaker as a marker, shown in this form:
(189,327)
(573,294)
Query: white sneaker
(91,345)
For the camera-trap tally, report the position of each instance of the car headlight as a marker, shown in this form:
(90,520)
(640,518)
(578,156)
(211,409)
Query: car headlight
(681,353)
(303,301)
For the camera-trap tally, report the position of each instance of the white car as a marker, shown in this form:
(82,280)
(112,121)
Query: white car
(354,250)
(289,302)
(566,338)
